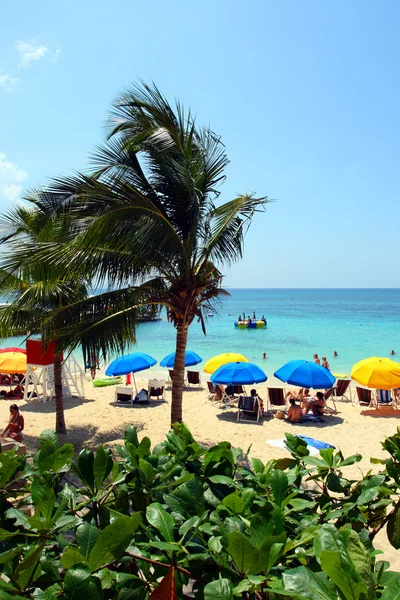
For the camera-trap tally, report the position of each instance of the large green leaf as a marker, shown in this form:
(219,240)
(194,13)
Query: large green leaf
(308,585)
(393,529)
(344,575)
(85,466)
(72,557)
(279,485)
(27,566)
(86,537)
(63,456)
(44,497)
(392,589)
(222,589)
(102,466)
(113,541)
(234,502)
(244,554)
(46,456)
(161,520)
(79,584)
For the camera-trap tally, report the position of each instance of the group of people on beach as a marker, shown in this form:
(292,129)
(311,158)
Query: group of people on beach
(316,404)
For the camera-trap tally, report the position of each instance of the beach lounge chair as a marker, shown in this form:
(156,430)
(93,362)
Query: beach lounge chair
(276,397)
(239,390)
(222,399)
(363,396)
(329,396)
(341,388)
(249,410)
(123,395)
(193,378)
(383,399)
(170,376)
(156,389)
(212,390)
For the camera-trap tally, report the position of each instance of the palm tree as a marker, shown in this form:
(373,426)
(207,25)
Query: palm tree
(40,290)
(146,219)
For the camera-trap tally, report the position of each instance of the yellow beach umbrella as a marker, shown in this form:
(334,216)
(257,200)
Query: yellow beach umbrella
(222,359)
(378,373)
(12,362)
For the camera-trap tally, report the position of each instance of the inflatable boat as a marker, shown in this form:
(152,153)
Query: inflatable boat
(107,381)
(253,325)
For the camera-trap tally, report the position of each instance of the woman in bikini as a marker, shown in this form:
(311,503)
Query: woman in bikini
(15,425)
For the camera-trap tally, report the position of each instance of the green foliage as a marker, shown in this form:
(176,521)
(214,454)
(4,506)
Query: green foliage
(145,523)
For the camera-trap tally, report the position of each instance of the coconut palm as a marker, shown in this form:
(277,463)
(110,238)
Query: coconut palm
(40,291)
(146,218)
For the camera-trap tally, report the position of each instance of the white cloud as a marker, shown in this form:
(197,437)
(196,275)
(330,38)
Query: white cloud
(7,82)
(30,52)
(11,177)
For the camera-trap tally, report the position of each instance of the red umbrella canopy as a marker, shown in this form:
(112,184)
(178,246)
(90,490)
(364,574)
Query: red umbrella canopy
(13,350)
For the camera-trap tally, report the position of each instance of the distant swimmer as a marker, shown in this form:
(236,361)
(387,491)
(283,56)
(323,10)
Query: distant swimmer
(335,353)
(392,352)
(265,355)
(254,316)
(316,359)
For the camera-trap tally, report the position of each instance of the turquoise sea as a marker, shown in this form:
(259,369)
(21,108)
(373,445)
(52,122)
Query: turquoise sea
(357,323)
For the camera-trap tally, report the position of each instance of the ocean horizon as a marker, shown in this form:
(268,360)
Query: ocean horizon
(354,322)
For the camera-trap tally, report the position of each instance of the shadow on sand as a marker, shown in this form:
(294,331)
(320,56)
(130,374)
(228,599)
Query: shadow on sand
(381,413)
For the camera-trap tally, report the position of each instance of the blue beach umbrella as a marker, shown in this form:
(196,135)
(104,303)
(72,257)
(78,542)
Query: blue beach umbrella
(191,358)
(130,363)
(305,374)
(239,373)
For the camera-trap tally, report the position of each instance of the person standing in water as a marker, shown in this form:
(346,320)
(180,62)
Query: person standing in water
(316,359)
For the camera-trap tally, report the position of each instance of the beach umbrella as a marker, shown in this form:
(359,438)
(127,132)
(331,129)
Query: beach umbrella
(305,374)
(12,362)
(378,373)
(12,349)
(222,359)
(239,373)
(130,363)
(191,358)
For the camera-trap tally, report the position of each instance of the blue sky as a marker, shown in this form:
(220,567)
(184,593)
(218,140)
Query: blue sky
(304,94)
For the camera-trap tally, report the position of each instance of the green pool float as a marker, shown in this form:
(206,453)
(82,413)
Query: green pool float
(107,381)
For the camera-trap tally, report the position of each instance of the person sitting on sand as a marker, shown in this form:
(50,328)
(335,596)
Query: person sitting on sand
(316,404)
(15,425)
(295,413)
(325,363)
(316,359)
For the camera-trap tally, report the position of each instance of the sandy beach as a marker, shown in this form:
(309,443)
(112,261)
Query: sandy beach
(95,420)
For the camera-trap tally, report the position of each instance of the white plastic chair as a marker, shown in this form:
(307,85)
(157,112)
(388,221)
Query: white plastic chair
(156,389)
(123,395)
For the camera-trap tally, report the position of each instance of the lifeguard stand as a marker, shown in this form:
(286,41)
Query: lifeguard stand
(40,373)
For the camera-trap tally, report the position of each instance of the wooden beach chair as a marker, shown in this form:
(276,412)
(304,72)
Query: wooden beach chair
(123,395)
(239,390)
(249,409)
(383,399)
(329,396)
(341,388)
(193,378)
(212,391)
(170,376)
(276,397)
(363,396)
(222,399)
(156,389)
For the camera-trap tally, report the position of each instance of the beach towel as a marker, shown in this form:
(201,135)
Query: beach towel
(310,419)
(315,443)
(282,444)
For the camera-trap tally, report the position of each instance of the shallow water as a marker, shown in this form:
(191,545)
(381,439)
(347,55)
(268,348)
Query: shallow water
(355,323)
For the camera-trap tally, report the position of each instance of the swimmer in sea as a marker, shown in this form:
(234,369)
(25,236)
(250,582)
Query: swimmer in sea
(392,352)
(335,353)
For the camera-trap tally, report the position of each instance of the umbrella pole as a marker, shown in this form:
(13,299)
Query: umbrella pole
(134,381)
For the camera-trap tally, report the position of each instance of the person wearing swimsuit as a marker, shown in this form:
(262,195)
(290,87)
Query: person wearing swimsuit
(15,425)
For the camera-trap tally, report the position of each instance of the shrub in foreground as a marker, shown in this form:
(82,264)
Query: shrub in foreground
(183,521)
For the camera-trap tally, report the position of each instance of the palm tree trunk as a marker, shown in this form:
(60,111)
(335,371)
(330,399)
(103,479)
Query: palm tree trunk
(60,420)
(179,373)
